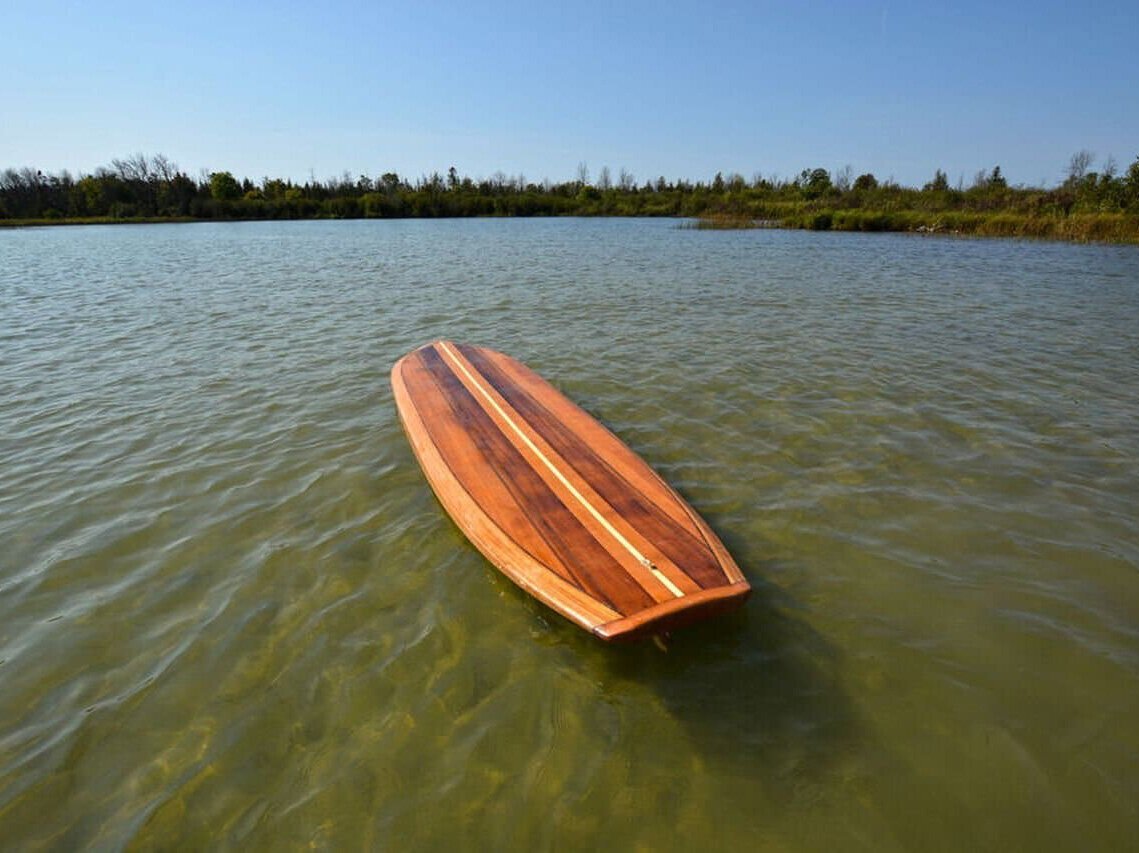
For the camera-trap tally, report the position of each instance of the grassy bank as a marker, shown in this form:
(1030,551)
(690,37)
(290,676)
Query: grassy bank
(92,220)
(1081,228)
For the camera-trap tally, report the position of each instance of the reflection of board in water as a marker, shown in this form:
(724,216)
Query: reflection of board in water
(556,501)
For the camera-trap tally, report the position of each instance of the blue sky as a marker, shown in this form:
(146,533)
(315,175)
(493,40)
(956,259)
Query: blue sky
(680,90)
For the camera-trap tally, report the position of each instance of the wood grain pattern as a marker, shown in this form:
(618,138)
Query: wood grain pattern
(681,544)
(555,500)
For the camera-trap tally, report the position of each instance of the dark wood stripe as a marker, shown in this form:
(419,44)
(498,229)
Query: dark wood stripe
(592,568)
(683,546)
(452,442)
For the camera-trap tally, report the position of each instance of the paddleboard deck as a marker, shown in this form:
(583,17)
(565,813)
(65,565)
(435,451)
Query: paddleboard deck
(555,500)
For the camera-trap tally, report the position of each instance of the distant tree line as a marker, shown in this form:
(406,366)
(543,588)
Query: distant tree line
(152,187)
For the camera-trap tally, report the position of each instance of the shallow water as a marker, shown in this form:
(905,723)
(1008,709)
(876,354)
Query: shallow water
(232,613)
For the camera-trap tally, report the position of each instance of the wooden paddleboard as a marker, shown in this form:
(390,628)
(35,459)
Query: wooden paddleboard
(556,501)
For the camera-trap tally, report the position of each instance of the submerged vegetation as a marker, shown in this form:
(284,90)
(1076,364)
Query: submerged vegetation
(1087,205)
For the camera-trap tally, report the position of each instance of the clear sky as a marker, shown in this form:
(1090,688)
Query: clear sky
(680,89)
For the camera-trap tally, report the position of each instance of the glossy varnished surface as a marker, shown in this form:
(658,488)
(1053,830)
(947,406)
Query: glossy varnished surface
(555,500)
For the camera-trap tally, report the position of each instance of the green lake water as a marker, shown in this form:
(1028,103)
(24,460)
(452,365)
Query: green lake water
(233,616)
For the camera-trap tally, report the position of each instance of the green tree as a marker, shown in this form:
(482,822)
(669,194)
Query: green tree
(224,186)
(178,195)
(940,182)
(390,181)
(1132,184)
(814,182)
(92,191)
(866,181)
(273,189)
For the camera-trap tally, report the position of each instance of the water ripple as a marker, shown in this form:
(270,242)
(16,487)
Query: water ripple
(232,612)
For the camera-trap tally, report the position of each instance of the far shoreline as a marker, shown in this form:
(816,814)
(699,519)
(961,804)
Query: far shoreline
(1087,207)
(1099,228)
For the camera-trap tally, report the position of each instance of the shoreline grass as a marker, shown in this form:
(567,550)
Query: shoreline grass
(96,220)
(1110,228)
(1113,228)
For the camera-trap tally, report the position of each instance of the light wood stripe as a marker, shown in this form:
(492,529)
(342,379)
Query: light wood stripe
(459,364)
(640,574)
(622,482)
(466,430)
(659,563)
